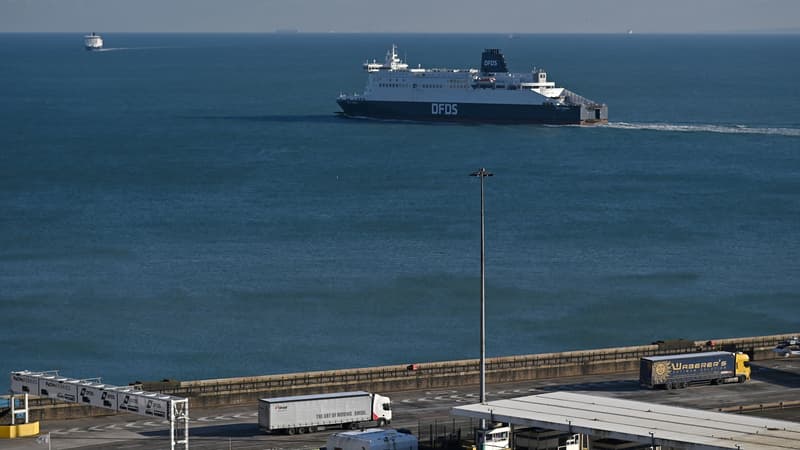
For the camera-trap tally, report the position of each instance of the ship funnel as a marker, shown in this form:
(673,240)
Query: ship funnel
(492,61)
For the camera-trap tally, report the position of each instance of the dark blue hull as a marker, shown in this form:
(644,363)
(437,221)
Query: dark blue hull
(475,112)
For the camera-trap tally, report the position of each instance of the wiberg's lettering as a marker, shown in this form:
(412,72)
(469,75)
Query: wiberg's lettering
(444,109)
(705,365)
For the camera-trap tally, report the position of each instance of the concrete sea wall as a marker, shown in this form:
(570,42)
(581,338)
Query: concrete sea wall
(431,375)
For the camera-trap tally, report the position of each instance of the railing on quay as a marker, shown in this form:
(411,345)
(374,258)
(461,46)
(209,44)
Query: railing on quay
(426,375)
(461,372)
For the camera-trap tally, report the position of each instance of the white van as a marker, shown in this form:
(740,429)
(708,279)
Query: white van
(372,439)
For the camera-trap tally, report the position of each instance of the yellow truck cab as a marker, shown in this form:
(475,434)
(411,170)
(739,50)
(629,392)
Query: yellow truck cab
(742,367)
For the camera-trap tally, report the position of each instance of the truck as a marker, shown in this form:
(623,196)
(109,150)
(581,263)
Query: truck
(307,413)
(496,437)
(679,371)
(372,439)
(789,347)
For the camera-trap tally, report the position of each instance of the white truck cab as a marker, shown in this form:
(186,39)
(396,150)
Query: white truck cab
(381,409)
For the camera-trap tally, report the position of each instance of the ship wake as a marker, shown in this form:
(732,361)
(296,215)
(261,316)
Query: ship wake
(119,49)
(707,128)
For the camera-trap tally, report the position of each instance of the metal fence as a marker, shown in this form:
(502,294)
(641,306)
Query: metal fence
(454,433)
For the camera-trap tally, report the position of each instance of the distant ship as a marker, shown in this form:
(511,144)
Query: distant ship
(491,94)
(93,42)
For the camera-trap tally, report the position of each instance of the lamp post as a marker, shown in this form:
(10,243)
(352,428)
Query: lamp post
(483,173)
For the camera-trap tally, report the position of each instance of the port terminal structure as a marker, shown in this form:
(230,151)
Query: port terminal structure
(638,424)
(15,430)
(92,392)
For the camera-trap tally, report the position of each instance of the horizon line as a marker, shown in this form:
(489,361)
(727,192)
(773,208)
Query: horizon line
(287,31)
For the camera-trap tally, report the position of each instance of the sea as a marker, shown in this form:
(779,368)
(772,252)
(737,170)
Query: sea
(190,206)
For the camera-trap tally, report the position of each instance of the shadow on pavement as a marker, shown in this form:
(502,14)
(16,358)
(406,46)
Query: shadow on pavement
(771,375)
(234,430)
(605,386)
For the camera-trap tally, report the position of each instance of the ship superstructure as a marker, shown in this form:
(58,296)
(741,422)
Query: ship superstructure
(488,94)
(92,42)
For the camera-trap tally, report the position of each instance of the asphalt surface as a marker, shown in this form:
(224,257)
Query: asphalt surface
(236,427)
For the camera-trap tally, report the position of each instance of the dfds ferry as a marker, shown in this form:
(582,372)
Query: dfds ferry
(491,94)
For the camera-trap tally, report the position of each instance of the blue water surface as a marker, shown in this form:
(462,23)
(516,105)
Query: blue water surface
(189,206)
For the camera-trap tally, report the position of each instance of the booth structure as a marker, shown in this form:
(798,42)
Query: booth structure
(24,429)
(634,424)
(92,392)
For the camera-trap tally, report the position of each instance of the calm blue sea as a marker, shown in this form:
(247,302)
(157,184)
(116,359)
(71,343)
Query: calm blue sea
(189,206)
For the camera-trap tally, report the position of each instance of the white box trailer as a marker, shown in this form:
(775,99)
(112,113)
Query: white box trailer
(305,413)
(25,382)
(59,388)
(99,395)
(372,439)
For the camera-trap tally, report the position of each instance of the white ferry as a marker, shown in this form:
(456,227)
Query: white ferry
(92,42)
(491,94)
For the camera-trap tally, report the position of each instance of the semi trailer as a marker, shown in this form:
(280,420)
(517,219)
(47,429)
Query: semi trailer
(306,413)
(679,371)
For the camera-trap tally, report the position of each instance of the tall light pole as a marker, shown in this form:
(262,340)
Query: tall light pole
(483,173)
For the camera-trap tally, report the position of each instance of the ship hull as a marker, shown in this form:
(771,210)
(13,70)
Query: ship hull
(475,112)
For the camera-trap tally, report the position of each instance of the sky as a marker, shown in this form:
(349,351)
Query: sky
(412,16)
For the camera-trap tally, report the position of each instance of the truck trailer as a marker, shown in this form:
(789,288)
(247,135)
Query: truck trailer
(679,371)
(372,439)
(306,413)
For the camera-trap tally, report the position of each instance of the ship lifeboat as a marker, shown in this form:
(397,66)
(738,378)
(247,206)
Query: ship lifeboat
(483,82)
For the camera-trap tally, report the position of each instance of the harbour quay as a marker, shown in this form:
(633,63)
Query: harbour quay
(773,392)
(412,376)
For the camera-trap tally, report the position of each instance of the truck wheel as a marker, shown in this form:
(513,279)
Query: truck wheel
(741,378)
(381,423)
(291,431)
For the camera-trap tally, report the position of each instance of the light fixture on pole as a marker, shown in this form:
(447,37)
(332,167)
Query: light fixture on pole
(483,173)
